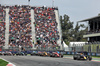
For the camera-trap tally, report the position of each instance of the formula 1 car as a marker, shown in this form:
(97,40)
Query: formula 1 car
(39,53)
(7,53)
(82,55)
(49,53)
(34,53)
(44,54)
(1,53)
(21,54)
(56,54)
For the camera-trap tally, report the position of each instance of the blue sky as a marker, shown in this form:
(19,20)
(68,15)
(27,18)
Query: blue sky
(76,9)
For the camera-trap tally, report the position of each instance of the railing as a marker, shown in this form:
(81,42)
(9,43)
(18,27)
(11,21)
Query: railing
(92,32)
(88,53)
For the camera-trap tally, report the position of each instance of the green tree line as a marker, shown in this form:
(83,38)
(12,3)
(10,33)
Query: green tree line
(70,33)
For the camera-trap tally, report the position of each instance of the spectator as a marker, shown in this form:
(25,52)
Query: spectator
(20,26)
(20,31)
(2,25)
(46,27)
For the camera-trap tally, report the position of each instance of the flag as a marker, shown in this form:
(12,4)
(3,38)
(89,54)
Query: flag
(29,0)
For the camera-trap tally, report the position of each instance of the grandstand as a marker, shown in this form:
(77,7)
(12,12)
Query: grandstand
(30,27)
(93,34)
(2,25)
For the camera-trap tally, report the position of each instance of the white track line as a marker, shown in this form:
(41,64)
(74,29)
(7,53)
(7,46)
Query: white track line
(8,61)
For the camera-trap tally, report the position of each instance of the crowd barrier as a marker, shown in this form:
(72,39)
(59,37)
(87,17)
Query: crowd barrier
(89,53)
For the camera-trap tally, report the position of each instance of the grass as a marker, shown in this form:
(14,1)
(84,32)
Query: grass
(67,55)
(3,63)
(96,56)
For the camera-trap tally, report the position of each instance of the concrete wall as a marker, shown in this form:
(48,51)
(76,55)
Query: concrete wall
(59,29)
(7,29)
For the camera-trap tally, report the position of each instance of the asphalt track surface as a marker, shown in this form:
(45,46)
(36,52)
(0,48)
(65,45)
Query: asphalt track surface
(47,61)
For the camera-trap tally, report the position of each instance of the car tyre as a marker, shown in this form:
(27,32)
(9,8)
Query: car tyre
(78,58)
(74,58)
(90,59)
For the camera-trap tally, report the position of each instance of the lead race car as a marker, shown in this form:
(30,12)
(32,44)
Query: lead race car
(82,56)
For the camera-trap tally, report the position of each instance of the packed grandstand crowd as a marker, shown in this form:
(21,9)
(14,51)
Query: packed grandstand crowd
(20,29)
(2,25)
(20,26)
(46,27)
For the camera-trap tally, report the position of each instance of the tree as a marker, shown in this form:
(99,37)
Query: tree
(78,34)
(69,33)
(67,27)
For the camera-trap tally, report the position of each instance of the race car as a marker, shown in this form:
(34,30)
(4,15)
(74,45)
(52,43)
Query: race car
(21,53)
(1,53)
(49,53)
(7,53)
(44,54)
(25,53)
(82,56)
(34,53)
(39,53)
(56,54)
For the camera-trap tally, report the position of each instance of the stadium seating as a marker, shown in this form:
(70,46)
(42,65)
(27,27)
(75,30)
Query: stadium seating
(2,25)
(20,26)
(46,27)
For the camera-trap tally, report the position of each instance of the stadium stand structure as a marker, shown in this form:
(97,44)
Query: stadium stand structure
(20,27)
(93,34)
(7,29)
(30,27)
(2,25)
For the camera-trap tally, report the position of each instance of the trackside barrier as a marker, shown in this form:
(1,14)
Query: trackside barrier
(89,53)
(72,53)
(97,54)
(68,53)
(64,52)
(93,54)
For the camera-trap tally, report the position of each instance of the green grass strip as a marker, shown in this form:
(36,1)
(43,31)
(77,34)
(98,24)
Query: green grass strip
(3,63)
(96,56)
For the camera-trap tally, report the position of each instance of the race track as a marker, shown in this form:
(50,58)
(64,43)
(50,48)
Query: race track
(47,61)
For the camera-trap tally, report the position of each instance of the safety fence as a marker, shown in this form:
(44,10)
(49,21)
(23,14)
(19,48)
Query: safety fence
(89,53)
(89,47)
(92,48)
